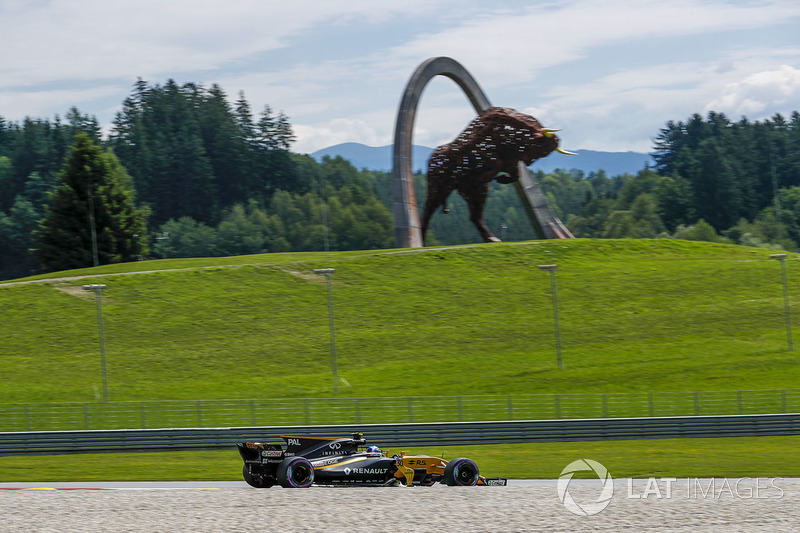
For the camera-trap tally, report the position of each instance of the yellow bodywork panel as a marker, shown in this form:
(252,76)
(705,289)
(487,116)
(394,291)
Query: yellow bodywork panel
(406,464)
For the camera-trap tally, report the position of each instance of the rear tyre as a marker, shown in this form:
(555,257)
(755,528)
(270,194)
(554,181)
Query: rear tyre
(461,472)
(255,480)
(295,473)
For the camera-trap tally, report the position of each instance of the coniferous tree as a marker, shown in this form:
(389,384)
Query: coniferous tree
(5,134)
(94,192)
(16,237)
(223,144)
(192,154)
(7,185)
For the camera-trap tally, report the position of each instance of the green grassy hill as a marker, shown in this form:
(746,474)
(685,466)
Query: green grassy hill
(635,315)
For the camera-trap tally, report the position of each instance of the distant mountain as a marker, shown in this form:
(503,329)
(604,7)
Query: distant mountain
(380,158)
(614,163)
(373,157)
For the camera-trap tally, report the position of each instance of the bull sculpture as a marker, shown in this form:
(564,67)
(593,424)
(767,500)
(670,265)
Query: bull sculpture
(488,149)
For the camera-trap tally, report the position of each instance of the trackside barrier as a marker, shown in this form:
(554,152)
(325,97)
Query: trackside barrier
(392,435)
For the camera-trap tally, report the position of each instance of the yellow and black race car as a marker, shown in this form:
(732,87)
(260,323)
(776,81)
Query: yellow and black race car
(349,461)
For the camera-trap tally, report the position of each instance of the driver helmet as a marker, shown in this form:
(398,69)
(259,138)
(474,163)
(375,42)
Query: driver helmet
(373,449)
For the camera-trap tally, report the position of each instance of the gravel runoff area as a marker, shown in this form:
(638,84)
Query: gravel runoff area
(692,505)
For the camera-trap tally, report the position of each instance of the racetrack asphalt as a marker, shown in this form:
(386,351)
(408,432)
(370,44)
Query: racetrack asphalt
(177,485)
(639,505)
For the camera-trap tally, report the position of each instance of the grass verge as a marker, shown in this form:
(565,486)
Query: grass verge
(681,458)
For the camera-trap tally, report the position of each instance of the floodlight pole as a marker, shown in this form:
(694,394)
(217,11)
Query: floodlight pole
(782,259)
(98,291)
(93,229)
(328,272)
(162,237)
(552,270)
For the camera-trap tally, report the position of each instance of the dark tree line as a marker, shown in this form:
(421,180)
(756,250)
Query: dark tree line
(217,179)
(192,154)
(713,179)
(343,213)
(33,151)
(31,156)
(734,169)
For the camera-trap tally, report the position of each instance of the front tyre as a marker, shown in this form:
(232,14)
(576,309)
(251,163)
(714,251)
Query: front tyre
(295,473)
(461,472)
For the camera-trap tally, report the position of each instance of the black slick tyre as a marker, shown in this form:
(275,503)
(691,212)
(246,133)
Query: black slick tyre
(295,473)
(461,472)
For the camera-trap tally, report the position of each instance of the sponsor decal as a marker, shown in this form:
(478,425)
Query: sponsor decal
(424,462)
(293,442)
(348,471)
(335,445)
(271,453)
(327,462)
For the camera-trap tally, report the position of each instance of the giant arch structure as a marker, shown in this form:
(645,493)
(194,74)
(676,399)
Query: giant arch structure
(406,217)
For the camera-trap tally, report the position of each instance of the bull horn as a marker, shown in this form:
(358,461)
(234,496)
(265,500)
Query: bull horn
(548,132)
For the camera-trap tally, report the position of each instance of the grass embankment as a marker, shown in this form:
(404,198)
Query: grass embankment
(635,315)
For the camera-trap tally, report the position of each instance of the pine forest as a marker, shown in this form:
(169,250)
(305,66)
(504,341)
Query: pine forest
(187,171)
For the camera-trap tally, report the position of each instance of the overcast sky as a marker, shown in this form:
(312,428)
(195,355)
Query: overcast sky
(609,73)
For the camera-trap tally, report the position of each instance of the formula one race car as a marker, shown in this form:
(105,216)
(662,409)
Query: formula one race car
(348,461)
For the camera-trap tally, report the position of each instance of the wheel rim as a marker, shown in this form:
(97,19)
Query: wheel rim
(299,475)
(466,474)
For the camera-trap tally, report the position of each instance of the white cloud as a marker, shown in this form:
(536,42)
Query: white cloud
(39,104)
(525,55)
(512,47)
(313,137)
(760,92)
(303,89)
(623,110)
(508,50)
(89,39)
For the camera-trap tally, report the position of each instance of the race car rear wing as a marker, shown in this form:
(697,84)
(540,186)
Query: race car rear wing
(256,452)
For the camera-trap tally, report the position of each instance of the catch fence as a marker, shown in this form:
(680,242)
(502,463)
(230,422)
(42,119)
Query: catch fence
(54,416)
